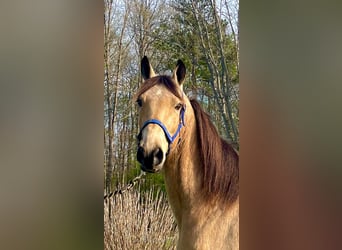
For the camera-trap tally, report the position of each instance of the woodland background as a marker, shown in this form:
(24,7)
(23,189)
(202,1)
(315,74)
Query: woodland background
(205,35)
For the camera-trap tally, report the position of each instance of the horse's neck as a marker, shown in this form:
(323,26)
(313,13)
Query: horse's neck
(181,179)
(201,224)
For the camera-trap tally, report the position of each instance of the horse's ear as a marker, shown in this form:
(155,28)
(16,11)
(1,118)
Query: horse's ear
(179,72)
(147,71)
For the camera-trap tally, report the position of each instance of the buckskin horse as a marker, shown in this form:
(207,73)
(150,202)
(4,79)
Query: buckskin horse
(201,170)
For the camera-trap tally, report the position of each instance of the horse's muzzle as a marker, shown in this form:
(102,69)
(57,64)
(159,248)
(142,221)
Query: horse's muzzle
(150,162)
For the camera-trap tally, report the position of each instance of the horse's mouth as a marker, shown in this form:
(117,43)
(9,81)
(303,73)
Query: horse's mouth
(149,170)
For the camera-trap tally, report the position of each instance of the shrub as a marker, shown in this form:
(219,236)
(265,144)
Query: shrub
(139,220)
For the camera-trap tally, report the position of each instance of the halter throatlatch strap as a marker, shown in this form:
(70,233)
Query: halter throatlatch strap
(169,138)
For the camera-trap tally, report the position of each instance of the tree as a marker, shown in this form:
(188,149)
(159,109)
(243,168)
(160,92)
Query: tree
(115,50)
(212,52)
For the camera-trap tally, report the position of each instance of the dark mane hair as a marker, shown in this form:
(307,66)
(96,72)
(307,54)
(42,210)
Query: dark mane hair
(164,80)
(220,171)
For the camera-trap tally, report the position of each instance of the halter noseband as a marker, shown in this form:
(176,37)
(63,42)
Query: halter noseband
(169,138)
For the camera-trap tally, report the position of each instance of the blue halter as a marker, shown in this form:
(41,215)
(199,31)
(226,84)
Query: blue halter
(169,138)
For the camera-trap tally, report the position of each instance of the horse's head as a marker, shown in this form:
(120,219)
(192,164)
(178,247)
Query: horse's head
(161,115)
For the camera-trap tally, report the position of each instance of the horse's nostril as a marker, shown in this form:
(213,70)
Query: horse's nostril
(149,160)
(140,154)
(158,156)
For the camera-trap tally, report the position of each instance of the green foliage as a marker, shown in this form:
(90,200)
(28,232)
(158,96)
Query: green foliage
(155,180)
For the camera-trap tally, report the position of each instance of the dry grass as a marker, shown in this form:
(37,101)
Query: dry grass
(139,221)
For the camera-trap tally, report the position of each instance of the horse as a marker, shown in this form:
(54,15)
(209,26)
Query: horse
(200,169)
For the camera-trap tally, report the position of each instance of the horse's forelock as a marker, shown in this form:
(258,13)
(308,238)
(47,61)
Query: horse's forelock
(163,80)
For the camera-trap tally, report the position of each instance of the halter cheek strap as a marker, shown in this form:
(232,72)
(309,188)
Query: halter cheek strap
(169,138)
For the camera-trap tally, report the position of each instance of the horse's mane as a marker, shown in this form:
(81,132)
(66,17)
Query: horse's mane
(220,168)
(162,79)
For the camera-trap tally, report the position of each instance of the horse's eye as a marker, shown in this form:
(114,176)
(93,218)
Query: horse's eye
(139,102)
(178,106)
